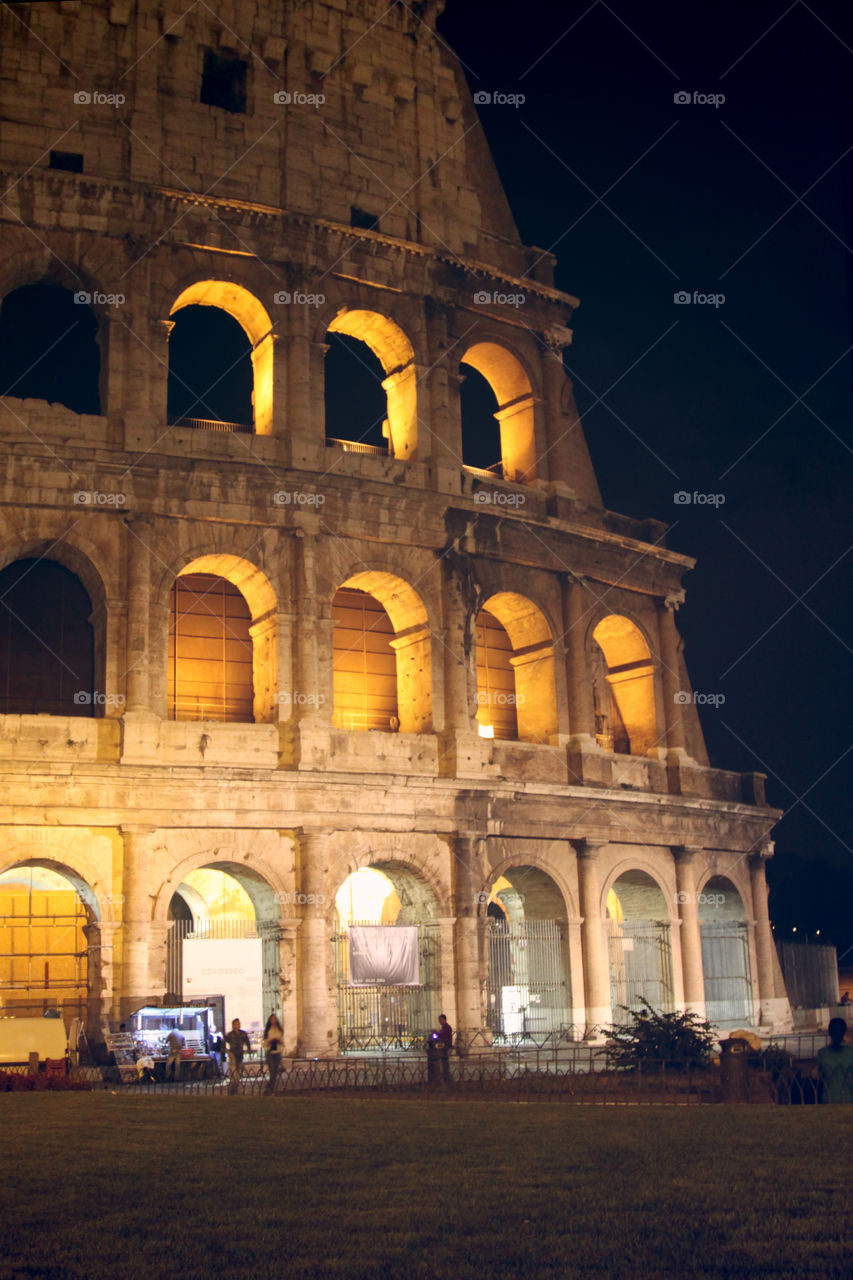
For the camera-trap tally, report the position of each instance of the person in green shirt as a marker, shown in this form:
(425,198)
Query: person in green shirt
(835,1064)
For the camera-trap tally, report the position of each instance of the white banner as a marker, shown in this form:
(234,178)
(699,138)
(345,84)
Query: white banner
(229,967)
(383,955)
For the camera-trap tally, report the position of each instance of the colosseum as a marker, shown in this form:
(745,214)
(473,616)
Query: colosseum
(325,667)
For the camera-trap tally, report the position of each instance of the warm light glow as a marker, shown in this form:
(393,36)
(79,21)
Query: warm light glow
(625,691)
(511,385)
(367,897)
(395,353)
(222,896)
(486,730)
(614,907)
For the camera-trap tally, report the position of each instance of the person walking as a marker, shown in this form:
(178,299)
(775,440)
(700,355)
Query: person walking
(273,1046)
(175,1043)
(237,1043)
(835,1064)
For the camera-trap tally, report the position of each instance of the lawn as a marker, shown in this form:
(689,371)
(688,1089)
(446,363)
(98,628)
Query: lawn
(101,1186)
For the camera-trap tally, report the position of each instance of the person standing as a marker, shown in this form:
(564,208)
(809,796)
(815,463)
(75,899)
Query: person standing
(175,1043)
(217,1051)
(443,1045)
(835,1064)
(273,1045)
(237,1043)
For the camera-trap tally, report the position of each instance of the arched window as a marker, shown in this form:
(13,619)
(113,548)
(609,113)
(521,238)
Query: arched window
(381,654)
(352,374)
(623,688)
(481,432)
(48,347)
(213,370)
(514,412)
(210,651)
(640,944)
(47,642)
(516,689)
(210,369)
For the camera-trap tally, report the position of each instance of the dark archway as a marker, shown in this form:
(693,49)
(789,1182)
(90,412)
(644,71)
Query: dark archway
(356,401)
(48,347)
(210,368)
(47,642)
(481,432)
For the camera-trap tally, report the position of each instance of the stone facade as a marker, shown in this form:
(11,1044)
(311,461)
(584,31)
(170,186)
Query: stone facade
(350,113)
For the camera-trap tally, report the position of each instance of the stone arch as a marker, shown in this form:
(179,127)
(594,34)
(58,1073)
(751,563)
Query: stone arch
(410,646)
(726,967)
(639,922)
(395,353)
(623,673)
(49,345)
(524,678)
(513,389)
(256,590)
(255,321)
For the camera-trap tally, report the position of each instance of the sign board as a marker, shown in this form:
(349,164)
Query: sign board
(233,967)
(383,955)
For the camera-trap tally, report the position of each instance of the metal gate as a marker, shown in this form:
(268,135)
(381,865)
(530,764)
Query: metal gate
(267,930)
(383,1017)
(640,966)
(526,991)
(725,964)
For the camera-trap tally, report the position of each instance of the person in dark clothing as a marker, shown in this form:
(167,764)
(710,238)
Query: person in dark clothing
(237,1043)
(273,1046)
(443,1044)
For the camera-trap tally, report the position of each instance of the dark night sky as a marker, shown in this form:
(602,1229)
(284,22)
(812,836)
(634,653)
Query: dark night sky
(640,197)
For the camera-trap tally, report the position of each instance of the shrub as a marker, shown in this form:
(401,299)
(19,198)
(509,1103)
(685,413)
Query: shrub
(673,1040)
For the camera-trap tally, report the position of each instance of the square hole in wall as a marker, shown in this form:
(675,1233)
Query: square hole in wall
(361,218)
(223,81)
(71,161)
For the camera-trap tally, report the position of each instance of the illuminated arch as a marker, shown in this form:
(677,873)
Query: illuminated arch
(726,967)
(509,381)
(382,655)
(624,687)
(640,942)
(255,321)
(396,354)
(516,688)
(256,634)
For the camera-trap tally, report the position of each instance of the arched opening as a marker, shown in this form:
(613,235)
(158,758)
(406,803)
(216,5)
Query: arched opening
(528,995)
(623,688)
(48,347)
(210,370)
(516,689)
(47,642)
(725,955)
(481,432)
(387,954)
(47,916)
(210,364)
(640,945)
(513,393)
(210,651)
(222,947)
(371,386)
(381,656)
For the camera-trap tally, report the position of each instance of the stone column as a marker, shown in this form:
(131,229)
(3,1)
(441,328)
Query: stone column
(578,675)
(467,873)
(458,641)
(316,979)
(596,963)
(558,462)
(690,932)
(137,647)
(671,677)
(100,973)
(765,949)
(136,988)
(289,928)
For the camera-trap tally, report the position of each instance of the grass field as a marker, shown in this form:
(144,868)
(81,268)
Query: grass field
(104,1187)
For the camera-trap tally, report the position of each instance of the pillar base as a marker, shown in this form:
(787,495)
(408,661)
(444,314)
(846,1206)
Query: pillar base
(776,1016)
